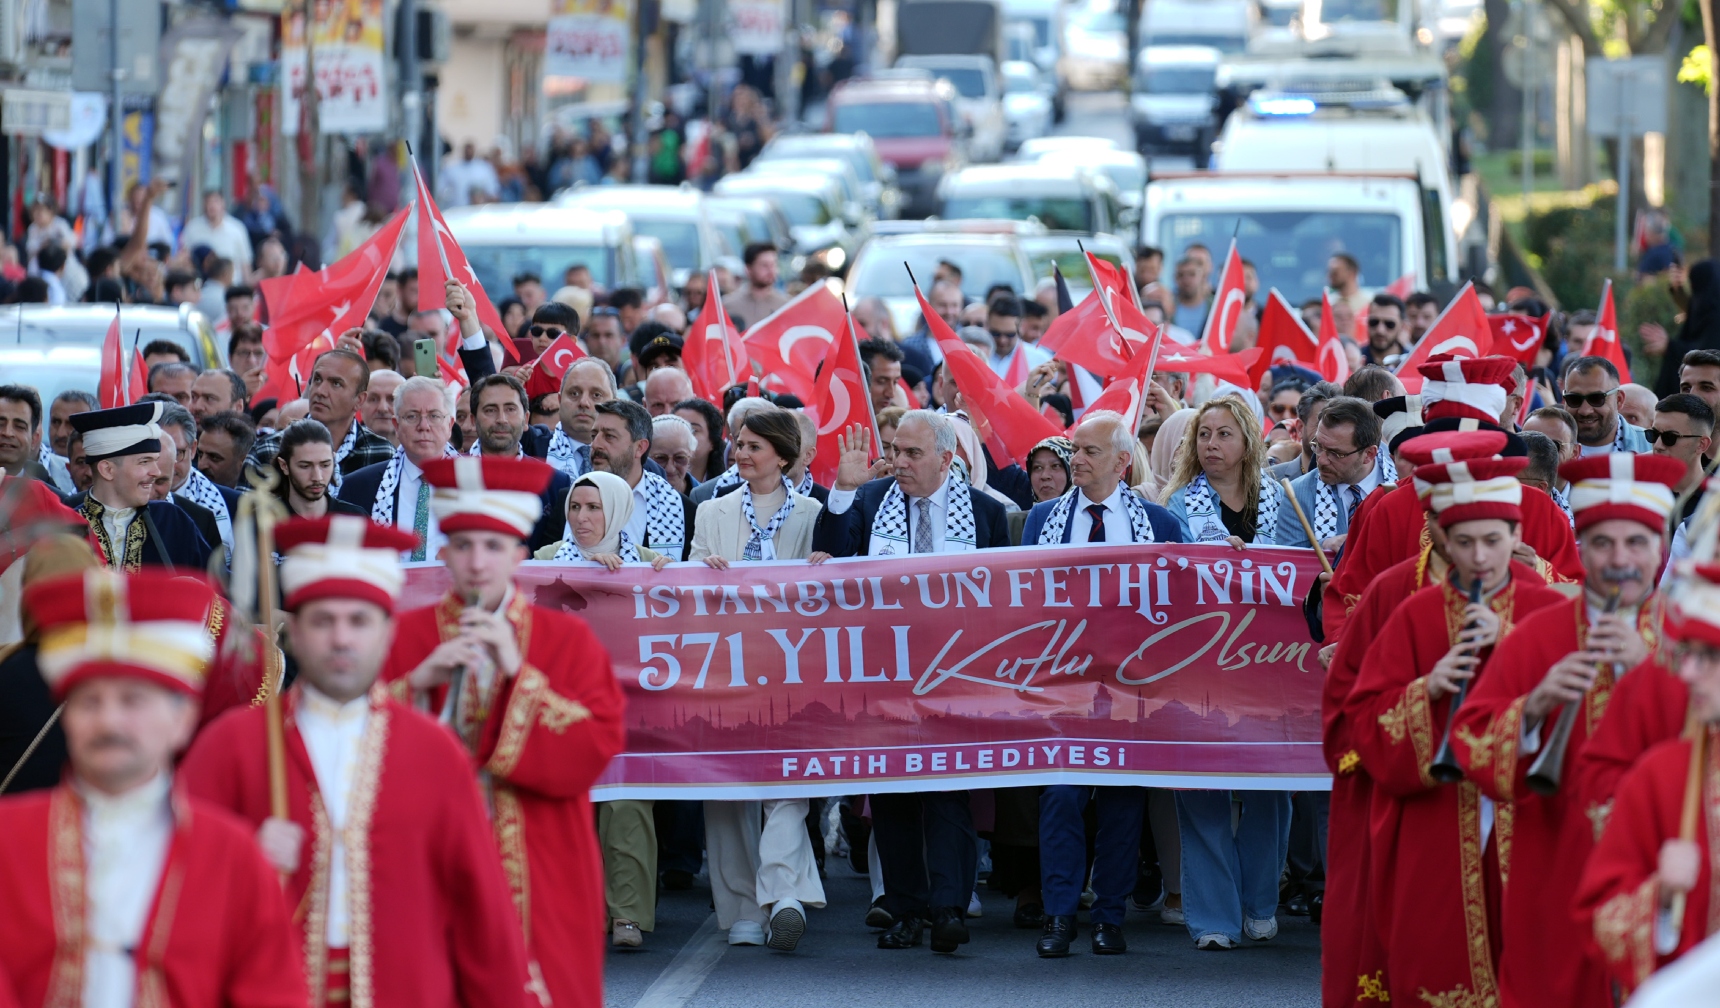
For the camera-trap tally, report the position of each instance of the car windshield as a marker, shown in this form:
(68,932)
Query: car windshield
(1289,248)
(802,151)
(1059,213)
(802,209)
(1128,178)
(1223,43)
(889,119)
(53,370)
(680,240)
(969,81)
(1178,80)
(1335,11)
(1070,262)
(1099,21)
(879,271)
(1020,82)
(497,265)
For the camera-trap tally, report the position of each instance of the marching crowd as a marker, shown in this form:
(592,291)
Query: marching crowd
(195,823)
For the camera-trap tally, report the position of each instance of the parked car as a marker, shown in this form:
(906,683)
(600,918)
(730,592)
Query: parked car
(1224,25)
(56,348)
(1033,150)
(852,207)
(1059,195)
(913,123)
(1040,17)
(877,179)
(764,222)
(1026,102)
(1126,170)
(813,206)
(674,215)
(1095,45)
(1175,101)
(1063,249)
(979,98)
(503,240)
(984,259)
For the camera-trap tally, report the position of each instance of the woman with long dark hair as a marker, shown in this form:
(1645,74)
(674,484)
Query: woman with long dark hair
(709,449)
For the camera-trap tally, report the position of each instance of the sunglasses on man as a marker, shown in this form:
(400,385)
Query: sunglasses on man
(1382,323)
(1670,437)
(1595,399)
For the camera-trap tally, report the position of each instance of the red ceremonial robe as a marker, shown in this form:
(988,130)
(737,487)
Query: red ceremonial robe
(217,934)
(431,922)
(235,675)
(1395,530)
(1433,886)
(1647,708)
(1551,835)
(543,736)
(1620,888)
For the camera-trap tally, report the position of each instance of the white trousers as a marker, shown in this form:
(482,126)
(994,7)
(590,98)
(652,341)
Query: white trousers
(758,854)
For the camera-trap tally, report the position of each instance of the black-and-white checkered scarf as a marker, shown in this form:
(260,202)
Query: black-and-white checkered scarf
(1200,502)
(382,510)
(1326,506)
(569,550)
(1140,523)
(564,454)
(890,525)
(341,452)
(665,517)
(761,543)
(203,491)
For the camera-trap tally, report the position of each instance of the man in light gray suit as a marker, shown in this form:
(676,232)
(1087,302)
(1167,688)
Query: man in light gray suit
(1347,467)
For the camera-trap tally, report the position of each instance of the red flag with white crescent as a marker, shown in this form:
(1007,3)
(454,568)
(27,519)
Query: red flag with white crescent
(1519,336)
(550,367)
(840,400)
(1284,338)
(440,257)
(1330,359)
(996,408)
(1603,340)
(1228,304)
(111,385)
(790,343)
(715,356)
(306,304)
(1461,330)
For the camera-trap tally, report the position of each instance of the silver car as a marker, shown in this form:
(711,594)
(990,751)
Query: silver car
(877,179)
(674,215)
(53,349)
(985,259)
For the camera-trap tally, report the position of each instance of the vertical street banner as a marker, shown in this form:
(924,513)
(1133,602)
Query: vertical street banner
(351,69)
(589,39)
(1171,666)
(757,27)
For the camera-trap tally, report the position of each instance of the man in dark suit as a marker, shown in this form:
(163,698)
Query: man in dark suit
(211,504)
(1099,509)
(123,447)
(394,492)
(926,842)
(501,410)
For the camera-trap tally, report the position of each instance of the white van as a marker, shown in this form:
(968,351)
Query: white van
(1288,224)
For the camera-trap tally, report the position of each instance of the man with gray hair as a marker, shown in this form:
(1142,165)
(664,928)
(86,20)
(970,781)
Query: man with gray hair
(1099,508)
(672,445)
(394,492)
(926,842)
(189,482)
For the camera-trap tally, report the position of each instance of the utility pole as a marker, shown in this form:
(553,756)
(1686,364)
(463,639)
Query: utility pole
(1708,36)
(411,79)
(116,116)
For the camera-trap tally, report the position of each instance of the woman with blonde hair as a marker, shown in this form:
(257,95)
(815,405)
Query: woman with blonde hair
(1218,482)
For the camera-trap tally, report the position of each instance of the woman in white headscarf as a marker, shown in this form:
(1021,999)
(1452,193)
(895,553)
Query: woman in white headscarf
(598,508)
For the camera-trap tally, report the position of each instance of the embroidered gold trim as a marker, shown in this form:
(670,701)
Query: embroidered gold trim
(1372,988)
(66,894)
(315,904)
(530,688)
(1624,928)
(1458,997)
(1505,737)
(1480,746)
(1348,762)
(92,510)
(1504,825)
(1396,720)
(152,979)
(1420,715)
(1474,889)
(361,807)
(1598,814)
(511,838)
(558,712)
(1711,803)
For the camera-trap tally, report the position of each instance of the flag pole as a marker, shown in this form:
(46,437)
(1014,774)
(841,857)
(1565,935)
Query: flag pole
(854,339)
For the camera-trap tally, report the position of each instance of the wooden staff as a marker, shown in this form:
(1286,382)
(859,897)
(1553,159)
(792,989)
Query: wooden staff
(265,511)
(1688,815)
(1307,529)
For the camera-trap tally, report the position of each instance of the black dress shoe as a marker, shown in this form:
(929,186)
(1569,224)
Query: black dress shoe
(877,916)
(1315,906)
(1297,905)
(1059,933)
(1029,916)
(676,880)
(903,934)
(1108,939)
(948,930)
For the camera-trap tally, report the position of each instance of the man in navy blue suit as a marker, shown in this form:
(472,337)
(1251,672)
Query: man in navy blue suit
(123,446)
(926,842)
(1099,509)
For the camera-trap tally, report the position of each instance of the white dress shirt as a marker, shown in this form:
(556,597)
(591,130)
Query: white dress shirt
(1117,528)
(125,849)
(117,521)
(641,517)
(332,732)
(406,509)
(841,500)
(228,238)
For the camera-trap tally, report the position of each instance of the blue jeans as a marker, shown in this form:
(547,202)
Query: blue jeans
(1229,875)
(1063,848)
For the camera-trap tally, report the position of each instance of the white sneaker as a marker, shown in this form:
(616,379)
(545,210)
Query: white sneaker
(746,932)
(787,925)
(1214,941)
(1260,930)
(1172,910)
(973,908)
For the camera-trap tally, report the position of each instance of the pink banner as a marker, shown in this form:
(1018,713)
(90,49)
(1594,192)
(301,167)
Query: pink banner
(1172,666)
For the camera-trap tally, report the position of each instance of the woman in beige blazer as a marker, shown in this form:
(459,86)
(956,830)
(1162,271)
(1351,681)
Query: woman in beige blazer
(759,855)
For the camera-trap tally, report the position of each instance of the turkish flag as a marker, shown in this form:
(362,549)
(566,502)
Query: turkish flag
(1518,336)
(840,400)
(997,410)
(551,365)
(1109,276)
(1283,338)
(1227,367)
(789,344)
(715,356)
(1603,341)
(1228,304)
(1127,394)
(112,383)
(304,305)
(1330,359)
(1461,330)
(1102,333)
(1402,287)
(285,380)
(440,257)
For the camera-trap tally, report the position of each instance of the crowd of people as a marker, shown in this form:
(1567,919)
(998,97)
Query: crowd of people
(1495,537)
